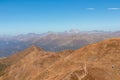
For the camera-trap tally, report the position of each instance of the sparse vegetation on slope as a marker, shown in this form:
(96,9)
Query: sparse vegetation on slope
(2,69)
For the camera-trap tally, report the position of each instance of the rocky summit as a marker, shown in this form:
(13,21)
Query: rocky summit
(99,61)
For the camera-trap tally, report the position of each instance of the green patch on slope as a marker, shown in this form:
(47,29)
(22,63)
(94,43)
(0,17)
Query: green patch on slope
(2,68)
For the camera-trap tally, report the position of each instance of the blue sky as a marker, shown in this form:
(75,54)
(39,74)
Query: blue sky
(38,16)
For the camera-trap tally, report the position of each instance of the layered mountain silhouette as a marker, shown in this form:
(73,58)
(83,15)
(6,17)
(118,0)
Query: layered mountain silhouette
(98,61)
(53,41)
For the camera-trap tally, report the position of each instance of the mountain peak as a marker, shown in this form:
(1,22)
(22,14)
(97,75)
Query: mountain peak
(35,48)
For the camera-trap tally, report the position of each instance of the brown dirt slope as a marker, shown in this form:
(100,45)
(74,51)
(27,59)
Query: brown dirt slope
(100,61)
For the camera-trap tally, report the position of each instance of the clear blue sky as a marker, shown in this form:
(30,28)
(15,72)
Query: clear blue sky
(27,16)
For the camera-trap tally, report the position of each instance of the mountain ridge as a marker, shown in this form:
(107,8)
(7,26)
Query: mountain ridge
(53,41)
(98,61)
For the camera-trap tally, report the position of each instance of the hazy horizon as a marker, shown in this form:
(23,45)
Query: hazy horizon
(10,35)
(40,16)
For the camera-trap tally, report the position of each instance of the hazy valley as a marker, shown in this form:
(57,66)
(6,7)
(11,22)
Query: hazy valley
(53,41)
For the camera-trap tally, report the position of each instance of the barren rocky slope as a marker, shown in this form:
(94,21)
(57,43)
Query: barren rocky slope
(99,61)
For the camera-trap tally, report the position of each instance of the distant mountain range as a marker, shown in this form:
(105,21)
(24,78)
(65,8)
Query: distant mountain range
(53,41)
